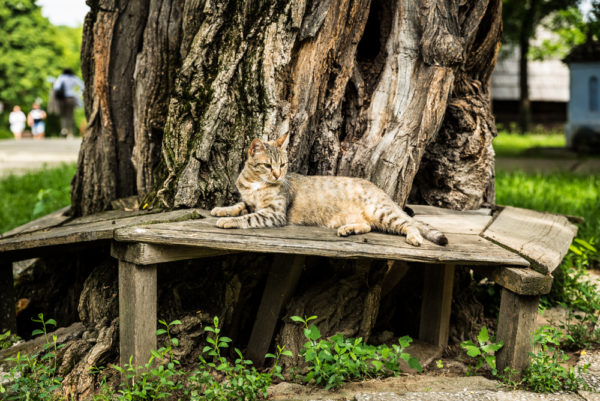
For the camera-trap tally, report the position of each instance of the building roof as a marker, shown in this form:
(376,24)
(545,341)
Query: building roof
(586,52)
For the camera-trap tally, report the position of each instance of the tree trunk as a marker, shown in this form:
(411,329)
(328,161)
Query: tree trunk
(527,31)
(176,91)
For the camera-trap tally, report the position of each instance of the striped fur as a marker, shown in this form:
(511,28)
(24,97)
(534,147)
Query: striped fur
(272,197)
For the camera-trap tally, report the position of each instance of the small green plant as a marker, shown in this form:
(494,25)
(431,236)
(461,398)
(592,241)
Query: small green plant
(7,339)
(337,360)
(239,381)
(158,379)
(34,377)
(545,373)
(215,379)
(484,352)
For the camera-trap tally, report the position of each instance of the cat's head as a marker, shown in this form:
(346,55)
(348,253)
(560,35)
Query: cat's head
(268,160)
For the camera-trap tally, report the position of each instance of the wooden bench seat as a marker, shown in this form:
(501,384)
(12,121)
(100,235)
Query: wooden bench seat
(141,241)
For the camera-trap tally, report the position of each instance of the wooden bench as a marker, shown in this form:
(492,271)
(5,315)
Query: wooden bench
(516,248)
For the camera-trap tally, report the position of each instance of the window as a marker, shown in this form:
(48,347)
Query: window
(594,106)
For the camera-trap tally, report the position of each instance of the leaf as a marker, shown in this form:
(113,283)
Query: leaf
(36,332)
(287,353)
(297,319)
(483,336)
(160,332)
(313,333)
(414,364)
(473,351)
(51,322)
(175,322)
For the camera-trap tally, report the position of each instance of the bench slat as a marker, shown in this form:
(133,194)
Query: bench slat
(543,238)
(463,248)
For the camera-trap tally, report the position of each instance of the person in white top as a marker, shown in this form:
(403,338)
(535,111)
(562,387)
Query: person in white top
(35,119)
(64,93)
(17,119)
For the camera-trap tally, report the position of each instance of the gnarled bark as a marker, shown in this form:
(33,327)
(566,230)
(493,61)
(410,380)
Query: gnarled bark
(388,90)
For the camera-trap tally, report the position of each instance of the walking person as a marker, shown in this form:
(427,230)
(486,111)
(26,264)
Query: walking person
(17,119)
(35,119)
(64,93)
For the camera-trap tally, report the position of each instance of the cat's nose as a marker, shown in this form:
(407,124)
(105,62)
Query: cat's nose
(276,174)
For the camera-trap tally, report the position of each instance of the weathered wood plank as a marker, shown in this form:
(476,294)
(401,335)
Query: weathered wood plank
(468,249)
(434,210)
(137,312)
(112,215)
(516,322)
(542,238)
(8,302)
(146,254)
(74,233)
(434,326)
(51,220)
(281,282)
(457,224)
(518,280)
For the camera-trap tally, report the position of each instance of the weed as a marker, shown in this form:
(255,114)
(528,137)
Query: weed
(337,360)
(7,339)
(546,372)
(34,377)
(484,352)
(215,379)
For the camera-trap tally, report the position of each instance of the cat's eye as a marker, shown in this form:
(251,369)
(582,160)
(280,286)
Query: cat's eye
(267,165)
(283,164)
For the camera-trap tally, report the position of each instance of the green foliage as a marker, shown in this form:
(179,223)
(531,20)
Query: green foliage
(337,360)
(546,373)
(484,352)
(34,378)
(241,380)
(7,339)
(20,198)
(569,30)
(32,49)
(215,379)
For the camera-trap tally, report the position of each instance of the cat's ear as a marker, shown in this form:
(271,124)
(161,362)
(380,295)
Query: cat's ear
(282,141)
(256,146)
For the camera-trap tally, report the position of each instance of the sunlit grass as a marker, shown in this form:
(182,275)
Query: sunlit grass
(31,195)
(559,192)
(512,145)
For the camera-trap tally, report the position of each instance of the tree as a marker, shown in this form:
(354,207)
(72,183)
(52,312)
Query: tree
(392,90)
(521,19)
(32,49)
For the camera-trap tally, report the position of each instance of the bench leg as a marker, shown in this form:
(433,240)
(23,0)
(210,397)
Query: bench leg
(516,322)
(281,282)
(437,302)
(137,312)
(8,302)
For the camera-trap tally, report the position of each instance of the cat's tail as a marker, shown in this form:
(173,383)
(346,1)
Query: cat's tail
(393,219)
(432,234)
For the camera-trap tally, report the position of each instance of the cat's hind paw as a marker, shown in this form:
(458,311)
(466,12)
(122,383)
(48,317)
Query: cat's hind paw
(414,238)
(228,222)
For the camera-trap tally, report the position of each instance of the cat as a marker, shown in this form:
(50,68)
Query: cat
(272,197)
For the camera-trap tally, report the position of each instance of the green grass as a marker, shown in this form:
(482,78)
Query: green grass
(32,195)
(565,193)
(513,145)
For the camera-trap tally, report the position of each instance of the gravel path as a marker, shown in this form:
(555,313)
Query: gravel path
(27,154)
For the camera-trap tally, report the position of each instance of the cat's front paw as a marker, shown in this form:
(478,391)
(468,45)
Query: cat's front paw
(219,211)
(228,222)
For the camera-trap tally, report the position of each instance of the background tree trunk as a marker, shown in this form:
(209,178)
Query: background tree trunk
(176,91)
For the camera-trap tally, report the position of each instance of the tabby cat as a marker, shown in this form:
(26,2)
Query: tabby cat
(272,197)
